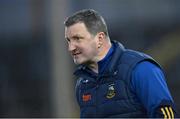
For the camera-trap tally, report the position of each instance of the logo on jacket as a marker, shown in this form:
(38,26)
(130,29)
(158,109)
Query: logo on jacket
(111,91)
(86,97)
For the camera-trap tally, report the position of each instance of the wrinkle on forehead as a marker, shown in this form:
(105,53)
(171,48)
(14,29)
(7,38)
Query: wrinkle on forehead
(77,29)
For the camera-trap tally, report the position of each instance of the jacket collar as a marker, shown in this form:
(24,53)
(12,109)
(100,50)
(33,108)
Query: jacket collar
(115,58)
(118,51)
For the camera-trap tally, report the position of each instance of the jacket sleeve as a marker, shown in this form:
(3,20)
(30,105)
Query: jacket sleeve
(150,86)
(166,109)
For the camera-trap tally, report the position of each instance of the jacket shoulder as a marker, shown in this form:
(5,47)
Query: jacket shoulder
(129,60)
(132,57)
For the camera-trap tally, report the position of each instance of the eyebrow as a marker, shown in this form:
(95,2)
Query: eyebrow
(77,36)
(74,37)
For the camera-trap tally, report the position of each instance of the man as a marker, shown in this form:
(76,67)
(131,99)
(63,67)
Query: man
(114,81)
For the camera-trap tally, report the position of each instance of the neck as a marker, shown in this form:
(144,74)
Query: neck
(93,67)
(104,50)
(102,53)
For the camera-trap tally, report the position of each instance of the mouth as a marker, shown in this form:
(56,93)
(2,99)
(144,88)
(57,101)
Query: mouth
(76,54)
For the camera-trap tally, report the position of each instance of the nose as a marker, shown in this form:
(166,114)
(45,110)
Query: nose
(71,46)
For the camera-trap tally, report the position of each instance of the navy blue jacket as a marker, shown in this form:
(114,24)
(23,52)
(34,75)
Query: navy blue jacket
(109,94)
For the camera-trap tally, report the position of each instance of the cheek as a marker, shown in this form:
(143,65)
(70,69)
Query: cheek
(89,49)
(92,50)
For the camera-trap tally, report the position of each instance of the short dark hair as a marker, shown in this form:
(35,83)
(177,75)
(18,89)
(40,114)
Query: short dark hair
(93,21)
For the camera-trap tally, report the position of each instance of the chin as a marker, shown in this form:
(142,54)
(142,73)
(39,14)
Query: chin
(77,62)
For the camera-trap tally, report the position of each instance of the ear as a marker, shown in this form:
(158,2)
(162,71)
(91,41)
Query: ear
(101,38)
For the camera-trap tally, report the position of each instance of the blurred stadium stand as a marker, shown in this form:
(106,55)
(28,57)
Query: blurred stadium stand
(35,68)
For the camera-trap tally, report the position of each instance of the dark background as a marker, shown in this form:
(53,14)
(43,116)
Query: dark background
(35,68)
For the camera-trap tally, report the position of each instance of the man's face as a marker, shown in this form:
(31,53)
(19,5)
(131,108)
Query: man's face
(81,44)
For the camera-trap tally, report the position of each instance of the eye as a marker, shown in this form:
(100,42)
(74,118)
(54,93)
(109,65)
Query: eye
(77,38)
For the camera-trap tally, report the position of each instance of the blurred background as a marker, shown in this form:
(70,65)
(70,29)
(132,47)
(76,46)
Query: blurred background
(36,69)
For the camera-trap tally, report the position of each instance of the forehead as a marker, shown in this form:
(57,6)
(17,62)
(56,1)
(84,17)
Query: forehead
(76,29)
